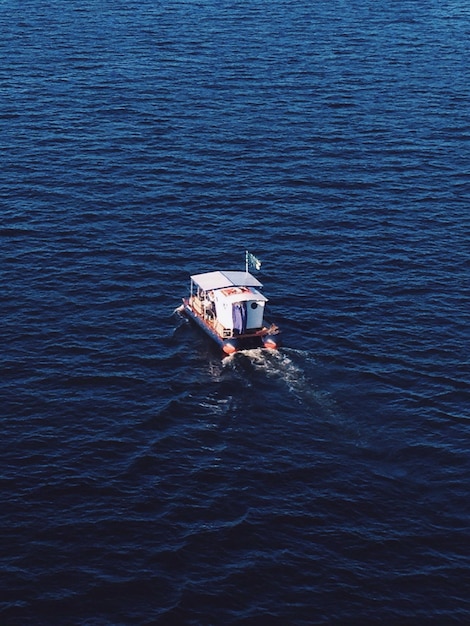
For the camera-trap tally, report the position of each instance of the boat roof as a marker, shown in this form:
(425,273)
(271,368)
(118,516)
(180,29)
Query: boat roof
(245,296)
(220,280)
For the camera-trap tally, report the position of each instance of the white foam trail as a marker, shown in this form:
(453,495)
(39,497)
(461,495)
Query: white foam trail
(279,365)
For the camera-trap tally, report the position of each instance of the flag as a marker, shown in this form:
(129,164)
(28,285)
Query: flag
(252,261)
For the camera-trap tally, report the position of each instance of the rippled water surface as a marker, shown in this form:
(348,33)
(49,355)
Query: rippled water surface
(145,478)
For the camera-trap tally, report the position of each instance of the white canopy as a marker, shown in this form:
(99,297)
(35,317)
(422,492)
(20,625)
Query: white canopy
(220,280)
(249,295)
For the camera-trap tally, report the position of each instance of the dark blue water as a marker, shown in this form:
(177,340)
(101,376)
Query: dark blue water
(146,480)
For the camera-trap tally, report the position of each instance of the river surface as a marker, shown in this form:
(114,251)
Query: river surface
(146,479)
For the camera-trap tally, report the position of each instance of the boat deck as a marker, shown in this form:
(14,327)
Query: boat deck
(207,317)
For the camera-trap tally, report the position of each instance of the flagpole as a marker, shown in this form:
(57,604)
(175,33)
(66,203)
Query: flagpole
(246,261)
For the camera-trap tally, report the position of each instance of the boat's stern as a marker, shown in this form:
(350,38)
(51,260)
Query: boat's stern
(272,339)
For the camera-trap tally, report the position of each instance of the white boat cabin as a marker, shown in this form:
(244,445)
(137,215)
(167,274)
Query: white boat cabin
(230,300)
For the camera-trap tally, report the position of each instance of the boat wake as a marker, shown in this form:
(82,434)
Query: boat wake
(288,367)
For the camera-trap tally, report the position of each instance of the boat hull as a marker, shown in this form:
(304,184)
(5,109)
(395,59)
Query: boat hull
(264,338)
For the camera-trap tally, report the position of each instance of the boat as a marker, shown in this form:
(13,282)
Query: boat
(229,307)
